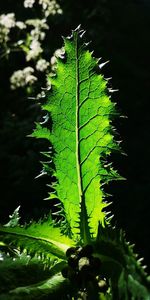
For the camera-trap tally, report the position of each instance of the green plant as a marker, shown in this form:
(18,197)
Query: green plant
(83,255)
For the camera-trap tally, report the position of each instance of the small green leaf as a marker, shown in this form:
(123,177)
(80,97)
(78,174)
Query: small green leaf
(14,218)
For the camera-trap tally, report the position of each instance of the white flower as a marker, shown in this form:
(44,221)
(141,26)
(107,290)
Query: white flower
(21,25)
(53,60)
(7,20)
(4,34)
(28,70)
(36,33)
(39,25)
(58,53)
(22,78)
(42,65)
(30,79)
(42,35)
(35,50)
(29,3)
(50,7)
(17,79)
(44,3)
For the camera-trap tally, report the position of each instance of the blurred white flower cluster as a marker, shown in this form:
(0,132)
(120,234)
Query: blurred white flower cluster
(58,53)
(42,65)
(21,78)
(7,21)
(30,37)
(29,3)
(49,7)
(38,28)
(21,25)
(37,34)
(34,51)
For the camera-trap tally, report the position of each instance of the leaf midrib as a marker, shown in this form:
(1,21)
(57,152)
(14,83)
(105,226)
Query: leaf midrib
(83,221)
(78,162)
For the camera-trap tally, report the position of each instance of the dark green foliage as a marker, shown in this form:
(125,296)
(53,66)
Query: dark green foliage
(19,272)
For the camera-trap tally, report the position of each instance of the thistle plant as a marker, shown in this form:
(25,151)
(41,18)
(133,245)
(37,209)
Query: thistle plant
(83,255)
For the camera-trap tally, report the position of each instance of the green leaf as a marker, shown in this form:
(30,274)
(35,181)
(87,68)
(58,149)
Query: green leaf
(81,135)
(41,238)
(121,265)
(20,271)
(128,285)
(55,287)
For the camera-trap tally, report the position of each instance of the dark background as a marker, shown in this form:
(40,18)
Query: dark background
(120,32)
